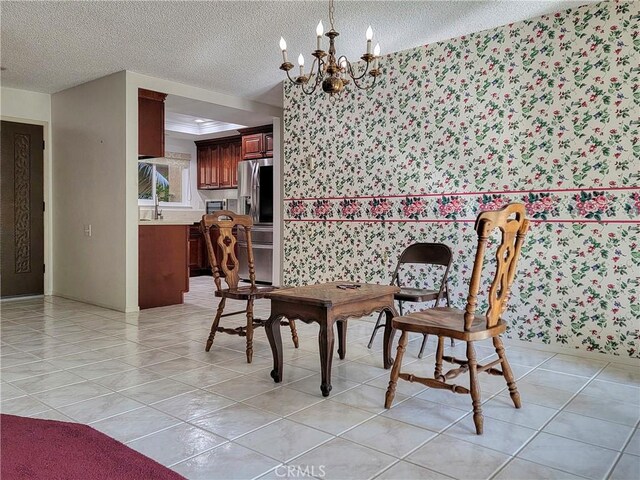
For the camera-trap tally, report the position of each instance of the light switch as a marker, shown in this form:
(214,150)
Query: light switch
(87,230)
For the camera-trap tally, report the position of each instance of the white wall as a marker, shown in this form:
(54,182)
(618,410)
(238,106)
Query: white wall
(89,180)
(25,104)
(35,108)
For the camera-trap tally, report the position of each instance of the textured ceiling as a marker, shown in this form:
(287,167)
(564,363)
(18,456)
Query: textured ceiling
(226,46)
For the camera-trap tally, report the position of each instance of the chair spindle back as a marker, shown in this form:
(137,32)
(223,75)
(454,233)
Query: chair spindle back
(512,231)
(225,221)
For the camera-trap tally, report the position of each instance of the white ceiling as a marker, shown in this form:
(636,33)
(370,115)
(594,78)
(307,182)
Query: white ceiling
(181,114)
(196,126)
(226,46)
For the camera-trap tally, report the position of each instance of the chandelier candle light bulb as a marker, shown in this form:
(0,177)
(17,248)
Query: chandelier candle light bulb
(376,54)
(319,32)
(301,63)
(283,47)
(369,38)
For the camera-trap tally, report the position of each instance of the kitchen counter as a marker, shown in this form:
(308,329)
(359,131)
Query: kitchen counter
(166,222)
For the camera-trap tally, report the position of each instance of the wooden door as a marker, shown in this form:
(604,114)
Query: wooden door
(237,158)
(150,123)
(203,166)
(22,221)
(196,251)
(226,165)
(252,146)
(268,145)
(213,177)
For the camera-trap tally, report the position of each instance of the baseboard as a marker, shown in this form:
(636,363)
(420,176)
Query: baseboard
(607,357)
(20,297)
(95,304)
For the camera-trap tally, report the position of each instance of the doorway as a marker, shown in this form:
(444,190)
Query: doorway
(22,213)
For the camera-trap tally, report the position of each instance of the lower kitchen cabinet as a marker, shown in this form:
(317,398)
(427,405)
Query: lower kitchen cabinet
(163,268)
(198,255)
(198,259)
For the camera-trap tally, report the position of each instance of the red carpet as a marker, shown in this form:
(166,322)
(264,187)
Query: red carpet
(46,449)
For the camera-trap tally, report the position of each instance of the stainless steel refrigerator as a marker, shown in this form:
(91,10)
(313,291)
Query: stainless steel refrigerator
(255,198)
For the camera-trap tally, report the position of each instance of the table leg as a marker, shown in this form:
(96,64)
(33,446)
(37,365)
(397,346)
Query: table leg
(342,338)
(272,327)
(389,333)
(326,342)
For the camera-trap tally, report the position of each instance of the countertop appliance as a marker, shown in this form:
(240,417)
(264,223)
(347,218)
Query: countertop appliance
(227,204)
(213,205)
(255,198)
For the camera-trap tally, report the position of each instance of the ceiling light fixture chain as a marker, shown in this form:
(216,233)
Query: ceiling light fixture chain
(333,74)
(332,11)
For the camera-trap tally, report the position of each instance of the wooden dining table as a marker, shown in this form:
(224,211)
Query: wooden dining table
(328,304)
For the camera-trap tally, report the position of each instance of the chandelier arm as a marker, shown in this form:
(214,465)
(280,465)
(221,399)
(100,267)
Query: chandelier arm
(289,77)
(311,74)
(352,70)
(368,87)
(310,91)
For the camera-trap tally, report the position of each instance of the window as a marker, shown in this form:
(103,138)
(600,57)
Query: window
(164,179)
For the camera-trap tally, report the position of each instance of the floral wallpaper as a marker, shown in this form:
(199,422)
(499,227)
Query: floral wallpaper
(543,112)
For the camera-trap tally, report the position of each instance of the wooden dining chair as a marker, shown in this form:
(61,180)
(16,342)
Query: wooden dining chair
(467,326)
(226,222)
(419,254)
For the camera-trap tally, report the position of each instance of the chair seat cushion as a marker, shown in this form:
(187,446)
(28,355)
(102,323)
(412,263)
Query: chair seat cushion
(447,322)
(416,294)
(246,292)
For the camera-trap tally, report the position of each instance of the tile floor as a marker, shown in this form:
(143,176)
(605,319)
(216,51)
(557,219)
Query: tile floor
(145,380)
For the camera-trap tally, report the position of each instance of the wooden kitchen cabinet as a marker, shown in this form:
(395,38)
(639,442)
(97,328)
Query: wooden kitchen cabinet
(150,123)
(257,142)
(252,146)
(268,144)
(218,163)
(198,263)
(237,155)
(226,163)
(163,259)
(204,161)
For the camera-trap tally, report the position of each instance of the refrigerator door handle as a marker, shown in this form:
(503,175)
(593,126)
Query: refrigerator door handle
(255,203)
(252,208)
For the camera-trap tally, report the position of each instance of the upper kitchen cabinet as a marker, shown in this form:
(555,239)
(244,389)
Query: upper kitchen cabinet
(218,163)
(150,123)
(257,142)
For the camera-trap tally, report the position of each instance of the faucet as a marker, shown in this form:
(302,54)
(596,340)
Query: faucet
(157,213)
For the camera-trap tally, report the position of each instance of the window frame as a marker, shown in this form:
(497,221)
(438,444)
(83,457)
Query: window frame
(186,187)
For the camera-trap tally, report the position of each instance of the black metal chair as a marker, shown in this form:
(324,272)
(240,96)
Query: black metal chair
(420,254)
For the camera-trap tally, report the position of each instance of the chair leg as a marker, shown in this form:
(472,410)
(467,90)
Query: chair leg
(478,418)
(439,352)
(294,333)
(453,343)
(375,329)
(507,372)
(214,326)
(395,370)
(425,337)
(249,330)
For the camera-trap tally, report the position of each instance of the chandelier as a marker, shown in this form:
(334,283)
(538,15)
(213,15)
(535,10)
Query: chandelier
(331,71)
